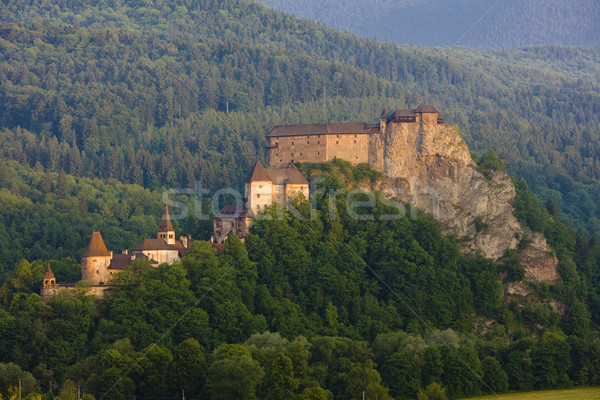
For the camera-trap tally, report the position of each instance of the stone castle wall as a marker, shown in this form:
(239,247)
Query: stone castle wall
(356,148)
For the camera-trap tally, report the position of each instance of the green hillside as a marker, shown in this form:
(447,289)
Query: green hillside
(103,105)
(152,91)
(483,24)
(310,309)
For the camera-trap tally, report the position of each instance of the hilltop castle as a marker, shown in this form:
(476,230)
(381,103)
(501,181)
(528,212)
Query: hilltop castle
(357,142)
(98,264)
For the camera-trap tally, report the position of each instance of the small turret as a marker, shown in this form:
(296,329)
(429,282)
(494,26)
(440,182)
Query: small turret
(166,230)
(49,278)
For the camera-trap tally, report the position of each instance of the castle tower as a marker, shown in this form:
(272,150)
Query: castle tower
(49,286)
(95,261)
(49,279)
(166,230)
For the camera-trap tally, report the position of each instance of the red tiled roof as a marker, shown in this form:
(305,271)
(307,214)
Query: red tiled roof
(233,211)
(154,244)
(218,248)
(258,173)
(279,176)
(425,108)
(49,274)
(340,128)
(96,247)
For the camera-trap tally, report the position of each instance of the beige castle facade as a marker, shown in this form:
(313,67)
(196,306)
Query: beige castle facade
(263,187)
(98,264)
(357,142)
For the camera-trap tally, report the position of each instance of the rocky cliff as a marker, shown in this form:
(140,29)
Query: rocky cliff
(435,172)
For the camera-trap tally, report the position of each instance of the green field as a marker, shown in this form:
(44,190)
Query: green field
(574,394)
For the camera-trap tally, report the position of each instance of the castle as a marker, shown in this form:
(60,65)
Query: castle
(263,187)
(357,142)
(98,264)
(377,144)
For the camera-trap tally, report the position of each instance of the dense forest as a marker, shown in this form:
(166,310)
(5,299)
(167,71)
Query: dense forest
(482,24)
(310,309)
(166,94)
(104,105)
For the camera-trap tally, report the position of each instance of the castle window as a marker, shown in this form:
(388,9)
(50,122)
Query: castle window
(337,142)
(338,135)
(355,142)
(318,153)
(171,236)
(52,282)
(292,154)
(280,160)
(260,186)
(46,282)
(292,143)
(300,153)
(258,196)
(355,136)
(307,142)
(319,142)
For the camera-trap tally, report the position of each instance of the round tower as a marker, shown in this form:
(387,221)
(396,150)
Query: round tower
(95,261)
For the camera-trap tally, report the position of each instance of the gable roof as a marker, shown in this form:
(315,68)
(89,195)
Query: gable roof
(232,211)
(425,108)
(154,244)
(258,173)
(279,176)
(165,222)
(96,247)
(340,128)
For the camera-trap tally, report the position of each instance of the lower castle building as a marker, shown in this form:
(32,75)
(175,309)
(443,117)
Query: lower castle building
(98,264)
(263,187)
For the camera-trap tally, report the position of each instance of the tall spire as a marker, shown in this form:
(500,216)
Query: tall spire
(165,222)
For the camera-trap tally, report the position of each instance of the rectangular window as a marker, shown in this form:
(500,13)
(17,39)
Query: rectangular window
(337,142)
(355,142)
(258,196)
(307,142)
(292,143)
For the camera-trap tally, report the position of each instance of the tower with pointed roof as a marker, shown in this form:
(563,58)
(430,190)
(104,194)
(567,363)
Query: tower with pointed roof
(95,261)
(166,230)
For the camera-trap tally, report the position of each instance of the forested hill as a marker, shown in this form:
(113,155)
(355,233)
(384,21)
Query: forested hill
(90,88)
(483,23)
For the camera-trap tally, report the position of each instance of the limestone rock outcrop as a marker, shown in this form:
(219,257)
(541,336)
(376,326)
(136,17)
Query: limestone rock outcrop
(434,171)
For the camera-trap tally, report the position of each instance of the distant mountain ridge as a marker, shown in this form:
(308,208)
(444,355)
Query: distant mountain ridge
(482,24)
